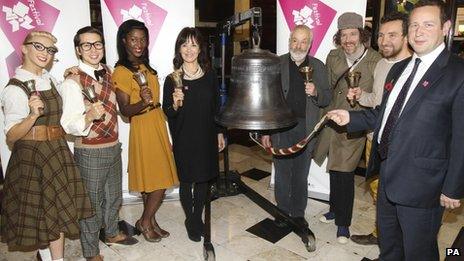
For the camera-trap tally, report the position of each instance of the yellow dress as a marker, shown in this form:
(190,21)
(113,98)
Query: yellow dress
(151,161)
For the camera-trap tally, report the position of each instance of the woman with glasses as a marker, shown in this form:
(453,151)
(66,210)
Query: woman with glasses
(196,137)
(151,163)
(44,196)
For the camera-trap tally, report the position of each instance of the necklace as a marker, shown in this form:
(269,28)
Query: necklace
(197,74)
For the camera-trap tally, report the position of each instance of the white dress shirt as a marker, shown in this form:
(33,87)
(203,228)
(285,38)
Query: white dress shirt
(426,62)
(15,101)
(74,109)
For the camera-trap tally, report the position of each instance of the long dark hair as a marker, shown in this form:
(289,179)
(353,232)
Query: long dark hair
(123,30)
(194,34)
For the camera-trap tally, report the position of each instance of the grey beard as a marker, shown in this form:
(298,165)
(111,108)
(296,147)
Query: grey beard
(298,56)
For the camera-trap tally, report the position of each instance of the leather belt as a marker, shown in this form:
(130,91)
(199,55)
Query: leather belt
(44,133)
(150,108)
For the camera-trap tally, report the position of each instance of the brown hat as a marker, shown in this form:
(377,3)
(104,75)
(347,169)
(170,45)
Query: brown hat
(350,20)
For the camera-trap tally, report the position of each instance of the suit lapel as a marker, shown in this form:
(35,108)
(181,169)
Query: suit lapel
(392,77)
(430,78)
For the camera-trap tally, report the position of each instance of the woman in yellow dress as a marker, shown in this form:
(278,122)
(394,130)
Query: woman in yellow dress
(151,164)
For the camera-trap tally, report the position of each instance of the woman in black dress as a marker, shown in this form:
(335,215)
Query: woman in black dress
(196,137)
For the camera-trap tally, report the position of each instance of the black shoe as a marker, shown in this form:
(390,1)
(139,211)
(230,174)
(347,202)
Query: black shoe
(301,221)
(364,239)
(280,222)
(195,237)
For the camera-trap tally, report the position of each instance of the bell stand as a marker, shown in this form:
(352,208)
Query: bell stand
(230,183)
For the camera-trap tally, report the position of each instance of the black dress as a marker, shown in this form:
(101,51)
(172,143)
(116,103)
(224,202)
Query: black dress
(193,129)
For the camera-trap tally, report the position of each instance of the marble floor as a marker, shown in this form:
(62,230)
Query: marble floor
(231,216)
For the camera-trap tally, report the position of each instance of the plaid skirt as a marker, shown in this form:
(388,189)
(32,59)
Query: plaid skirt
(43,195)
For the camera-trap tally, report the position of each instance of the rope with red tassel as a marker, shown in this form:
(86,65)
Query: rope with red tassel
(295,148)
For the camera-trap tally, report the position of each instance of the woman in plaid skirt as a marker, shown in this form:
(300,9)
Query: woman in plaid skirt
(44,196)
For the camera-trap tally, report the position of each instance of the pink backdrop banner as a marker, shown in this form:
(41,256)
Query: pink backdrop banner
(18,18)
(313,13)
(145,11)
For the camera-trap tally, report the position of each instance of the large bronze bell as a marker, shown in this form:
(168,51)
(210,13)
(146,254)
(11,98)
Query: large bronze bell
(255,99)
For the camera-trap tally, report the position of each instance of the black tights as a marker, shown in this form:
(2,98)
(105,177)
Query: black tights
(193,203)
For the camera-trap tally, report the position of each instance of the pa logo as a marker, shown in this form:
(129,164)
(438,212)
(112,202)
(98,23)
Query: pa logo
(453,251)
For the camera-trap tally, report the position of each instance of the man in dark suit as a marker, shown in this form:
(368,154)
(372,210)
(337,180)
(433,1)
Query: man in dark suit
(305,100)
(419,136)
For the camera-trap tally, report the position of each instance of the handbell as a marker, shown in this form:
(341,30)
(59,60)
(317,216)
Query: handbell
(177,79)
(90,94)
(307,73)
(142,81)
(30,85)
(353,78)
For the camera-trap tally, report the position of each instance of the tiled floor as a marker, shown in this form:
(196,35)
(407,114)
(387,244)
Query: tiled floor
(231,216)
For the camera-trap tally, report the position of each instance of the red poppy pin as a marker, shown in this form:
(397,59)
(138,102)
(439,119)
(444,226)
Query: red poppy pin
(389,86)
(425,84)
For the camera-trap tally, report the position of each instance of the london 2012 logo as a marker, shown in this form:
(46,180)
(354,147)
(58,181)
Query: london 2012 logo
(305,16)
(145,11)
(18,18)
(312,13)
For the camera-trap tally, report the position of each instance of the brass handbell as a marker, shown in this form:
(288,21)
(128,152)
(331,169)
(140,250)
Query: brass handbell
(90,94)
(177,76)
(142,81)
(307,73)
(352,78)
(30,85)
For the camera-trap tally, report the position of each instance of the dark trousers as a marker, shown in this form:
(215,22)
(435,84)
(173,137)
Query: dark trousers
(342,196)
(291,173)
(407,233)
(193,198)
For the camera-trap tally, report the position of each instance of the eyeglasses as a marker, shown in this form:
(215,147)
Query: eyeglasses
(40,47)
(87,46)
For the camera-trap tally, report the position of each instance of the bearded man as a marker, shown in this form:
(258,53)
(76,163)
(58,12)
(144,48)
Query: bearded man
(305,100)
(343,150)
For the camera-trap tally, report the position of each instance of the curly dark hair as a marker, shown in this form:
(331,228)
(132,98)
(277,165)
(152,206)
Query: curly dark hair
(364,36)
(123,30)
(397,16)
(191,33)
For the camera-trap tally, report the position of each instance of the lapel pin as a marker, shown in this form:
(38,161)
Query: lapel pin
(389,86)
(425,84)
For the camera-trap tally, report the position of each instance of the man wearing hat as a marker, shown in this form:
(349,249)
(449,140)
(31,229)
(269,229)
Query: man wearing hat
(344,150)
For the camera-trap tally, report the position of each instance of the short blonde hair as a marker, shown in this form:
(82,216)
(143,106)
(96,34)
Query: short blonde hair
(33,34)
